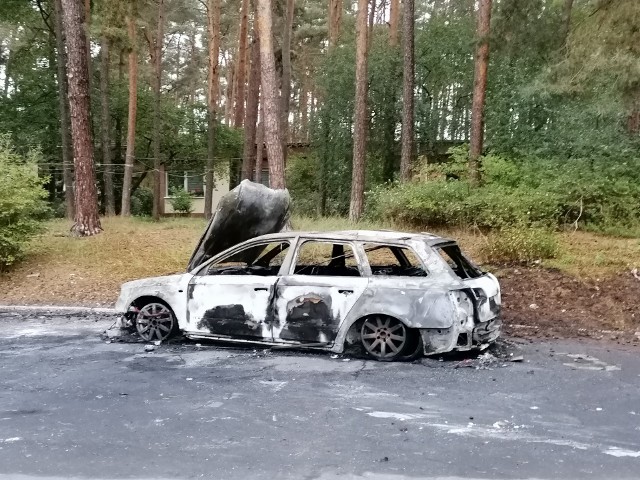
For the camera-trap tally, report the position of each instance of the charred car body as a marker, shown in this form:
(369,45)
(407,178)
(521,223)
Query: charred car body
(397,295)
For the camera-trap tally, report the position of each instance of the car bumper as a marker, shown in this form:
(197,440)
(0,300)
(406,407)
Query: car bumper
(460,338)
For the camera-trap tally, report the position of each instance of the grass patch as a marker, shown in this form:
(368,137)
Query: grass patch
(59,269)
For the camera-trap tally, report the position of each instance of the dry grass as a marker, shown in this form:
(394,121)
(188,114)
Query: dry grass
(64,270)
(591,256)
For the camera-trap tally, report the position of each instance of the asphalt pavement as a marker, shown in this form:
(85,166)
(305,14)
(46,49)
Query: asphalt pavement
(77,404)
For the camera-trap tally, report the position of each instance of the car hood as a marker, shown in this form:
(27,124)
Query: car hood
(247,211)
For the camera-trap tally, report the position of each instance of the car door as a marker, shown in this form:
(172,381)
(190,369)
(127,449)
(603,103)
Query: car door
(232,297)
(324,282)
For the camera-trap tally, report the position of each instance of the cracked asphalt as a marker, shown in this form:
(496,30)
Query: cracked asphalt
(73,405)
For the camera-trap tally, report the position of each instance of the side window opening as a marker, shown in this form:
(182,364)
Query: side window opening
(393,261)
(326,259)
(264,260)
(461,266)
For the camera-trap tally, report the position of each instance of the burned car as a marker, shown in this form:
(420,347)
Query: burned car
(393,295)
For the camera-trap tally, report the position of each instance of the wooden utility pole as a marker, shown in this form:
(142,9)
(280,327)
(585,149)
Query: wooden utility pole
(251,116)
(479,90)
(87,221)
(213,90)
(408,82)
(63,108)
(125,209)
(360,119)
(271,120)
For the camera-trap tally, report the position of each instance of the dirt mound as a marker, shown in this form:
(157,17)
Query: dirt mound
(546,303)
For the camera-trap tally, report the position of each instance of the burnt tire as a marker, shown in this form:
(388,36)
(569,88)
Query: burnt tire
(387,339)
(156,321)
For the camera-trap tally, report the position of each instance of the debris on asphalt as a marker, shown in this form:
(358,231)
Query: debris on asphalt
(519,358)
(149,348)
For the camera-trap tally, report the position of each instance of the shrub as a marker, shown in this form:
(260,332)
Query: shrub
(520,245)
(142,202)
(181,201)
(446,203)
(303,183)
(22,202)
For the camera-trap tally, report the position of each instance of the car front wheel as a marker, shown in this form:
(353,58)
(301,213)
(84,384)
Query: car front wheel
(384,338)
(156,321)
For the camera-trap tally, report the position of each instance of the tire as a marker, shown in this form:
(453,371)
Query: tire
(386,339)
(156,321)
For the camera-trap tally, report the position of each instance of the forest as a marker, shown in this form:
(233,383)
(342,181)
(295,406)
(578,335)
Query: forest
(474,113)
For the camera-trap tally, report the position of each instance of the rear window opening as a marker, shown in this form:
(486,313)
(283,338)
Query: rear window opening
(462,267)
(393,261)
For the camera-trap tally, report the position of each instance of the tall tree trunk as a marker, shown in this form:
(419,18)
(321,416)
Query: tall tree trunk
(156,47)
(566,21)
(231,84)
(87,30)
(285,93)
(105,128)
(408,81)
(87,221)
(251,117)
(118,126)
(213,89)
(304,107)
(372,17)
(360,116)
(335,21)
(394,21)
(63,108)
(259,146)
(241,65)
(270,96)
(125,209)
(479,90)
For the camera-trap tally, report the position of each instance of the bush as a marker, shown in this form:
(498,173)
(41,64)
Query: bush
(142,202)
(520,245)
(454,203)
(181,201)
(22,202)
(302,181)
(532,192)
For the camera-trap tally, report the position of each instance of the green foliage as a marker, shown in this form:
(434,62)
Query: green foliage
(142,202)
(531,192)
(302,179)
(181,201)
(445,203)
(520,244)
(22,205)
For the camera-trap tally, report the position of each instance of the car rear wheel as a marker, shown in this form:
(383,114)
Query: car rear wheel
(156,321)
(384,338)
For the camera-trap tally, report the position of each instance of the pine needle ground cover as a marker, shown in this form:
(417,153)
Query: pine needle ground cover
(588,288)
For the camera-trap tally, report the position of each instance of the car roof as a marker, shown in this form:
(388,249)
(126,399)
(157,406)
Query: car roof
(361,235)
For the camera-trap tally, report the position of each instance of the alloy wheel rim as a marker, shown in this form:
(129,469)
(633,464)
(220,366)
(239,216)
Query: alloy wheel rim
(154,322)
(383,337)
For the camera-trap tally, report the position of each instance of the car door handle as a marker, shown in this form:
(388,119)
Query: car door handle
(345,292)
(261,289)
